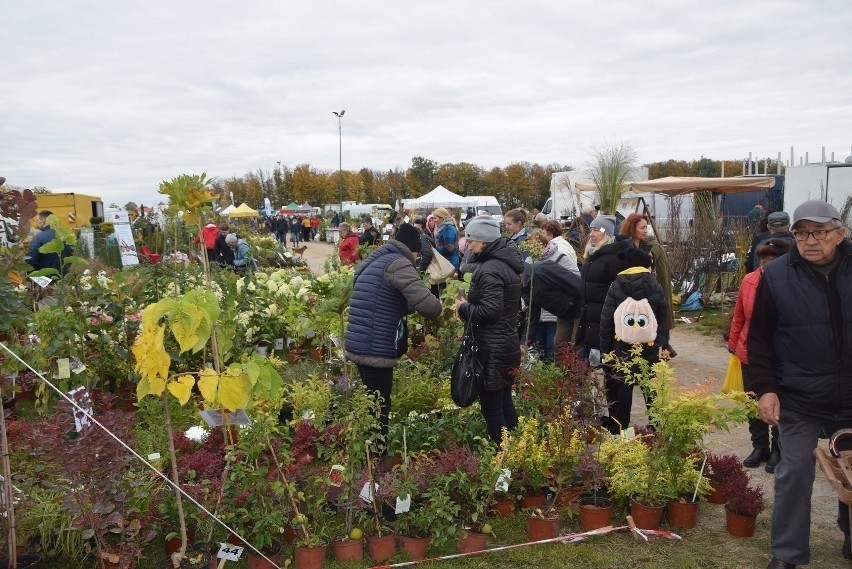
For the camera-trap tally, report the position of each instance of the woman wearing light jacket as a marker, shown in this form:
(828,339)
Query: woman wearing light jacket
(492,310)
(737,344)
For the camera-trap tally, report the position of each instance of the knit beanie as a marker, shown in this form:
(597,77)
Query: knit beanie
(408,236)
(605,223)
(482,228)
(231,238)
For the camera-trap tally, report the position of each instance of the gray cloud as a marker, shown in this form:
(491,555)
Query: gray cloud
(111,98)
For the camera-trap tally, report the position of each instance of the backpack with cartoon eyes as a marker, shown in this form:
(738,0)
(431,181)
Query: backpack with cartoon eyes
(635,322)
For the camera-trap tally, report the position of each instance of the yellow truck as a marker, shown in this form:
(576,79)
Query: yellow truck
(73,210)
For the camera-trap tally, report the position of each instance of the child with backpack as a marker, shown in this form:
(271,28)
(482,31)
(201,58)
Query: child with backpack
(634,305)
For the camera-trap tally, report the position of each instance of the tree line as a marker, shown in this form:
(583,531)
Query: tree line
(520,184)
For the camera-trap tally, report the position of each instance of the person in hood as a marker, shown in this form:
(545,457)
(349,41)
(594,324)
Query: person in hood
(636,227)
(492,310)
(631,314)
(208,235)
(386,288)
(223,254)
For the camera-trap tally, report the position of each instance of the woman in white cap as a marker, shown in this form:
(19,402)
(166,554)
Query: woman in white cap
(598,272)
(491,309)
(241,249)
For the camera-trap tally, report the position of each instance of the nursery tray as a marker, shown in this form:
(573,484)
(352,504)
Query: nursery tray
(838,471)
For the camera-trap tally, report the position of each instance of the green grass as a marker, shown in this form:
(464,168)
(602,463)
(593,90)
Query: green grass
(711,321)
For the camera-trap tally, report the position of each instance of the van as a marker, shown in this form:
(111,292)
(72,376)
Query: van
(490,205)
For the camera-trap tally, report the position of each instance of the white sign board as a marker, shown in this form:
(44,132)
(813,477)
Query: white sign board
(124,235)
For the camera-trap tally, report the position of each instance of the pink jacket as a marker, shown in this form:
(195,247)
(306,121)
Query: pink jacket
(738,339)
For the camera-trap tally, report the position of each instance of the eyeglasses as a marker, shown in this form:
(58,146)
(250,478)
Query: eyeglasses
(819,234)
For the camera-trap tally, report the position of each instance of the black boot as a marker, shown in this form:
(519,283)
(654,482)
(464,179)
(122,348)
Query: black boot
(847,548)
(757,456)
(774,459)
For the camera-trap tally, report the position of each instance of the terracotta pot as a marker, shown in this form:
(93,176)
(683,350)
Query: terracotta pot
(309,557)
(172,545)
(295,356)
(473,541)
(415,547)
(348,550)
(739,525)
(595,513)
(646,517)
(717,494)
(255,561)
(128,404)
(532,500)
(381,548)
(234,540)
(567,498)
(318,354)
(504,508)
(682,513)
(542,528)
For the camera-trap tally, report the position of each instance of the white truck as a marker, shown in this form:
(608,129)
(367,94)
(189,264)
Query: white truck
(490,205)
(571,191)
(830,181)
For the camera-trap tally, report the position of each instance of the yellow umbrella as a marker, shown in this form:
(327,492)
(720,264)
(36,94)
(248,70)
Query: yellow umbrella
(243,211)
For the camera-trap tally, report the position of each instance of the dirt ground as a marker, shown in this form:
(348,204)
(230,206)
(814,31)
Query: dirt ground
(700,358)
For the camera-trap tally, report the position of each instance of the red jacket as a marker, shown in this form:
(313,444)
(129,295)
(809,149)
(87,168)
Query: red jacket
(737,341)
(348,249)
(208,234)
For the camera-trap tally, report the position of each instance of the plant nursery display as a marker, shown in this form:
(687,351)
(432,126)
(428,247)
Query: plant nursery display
(156,411)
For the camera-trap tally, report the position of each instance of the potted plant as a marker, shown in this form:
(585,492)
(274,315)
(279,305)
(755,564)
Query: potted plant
(723,470)
(529,461)
(745,502)
(635,475)
(682,417)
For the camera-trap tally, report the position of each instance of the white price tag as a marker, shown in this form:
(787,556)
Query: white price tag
(154,456)
(402,506)
(366,495)
(229,552)
(503,480)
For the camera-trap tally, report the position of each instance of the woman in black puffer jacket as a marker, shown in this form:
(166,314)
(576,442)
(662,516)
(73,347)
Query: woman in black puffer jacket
(597,274)
(492,309)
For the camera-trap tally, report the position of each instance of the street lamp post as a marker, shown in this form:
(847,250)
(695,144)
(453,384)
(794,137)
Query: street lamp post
(340,167)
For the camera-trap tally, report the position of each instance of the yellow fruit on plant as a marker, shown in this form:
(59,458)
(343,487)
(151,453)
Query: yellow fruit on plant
(356,534)
(486,528)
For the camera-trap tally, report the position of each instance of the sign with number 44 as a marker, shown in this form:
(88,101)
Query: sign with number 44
(229,552)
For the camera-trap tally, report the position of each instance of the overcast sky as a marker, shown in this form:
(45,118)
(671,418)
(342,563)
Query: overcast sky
(111,97)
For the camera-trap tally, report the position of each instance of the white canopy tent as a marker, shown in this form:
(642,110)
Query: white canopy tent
(439,197)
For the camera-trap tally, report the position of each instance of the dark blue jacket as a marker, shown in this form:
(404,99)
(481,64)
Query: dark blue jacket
(386,288)
(800,336)
(45,260)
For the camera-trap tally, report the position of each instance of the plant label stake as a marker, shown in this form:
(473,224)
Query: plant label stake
(229,552)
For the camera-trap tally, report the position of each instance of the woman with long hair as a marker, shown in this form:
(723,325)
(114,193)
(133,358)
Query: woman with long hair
(447,236)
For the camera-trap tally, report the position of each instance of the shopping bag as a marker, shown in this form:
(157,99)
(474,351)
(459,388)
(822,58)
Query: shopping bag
(440,269)
(468,371)
(734,377)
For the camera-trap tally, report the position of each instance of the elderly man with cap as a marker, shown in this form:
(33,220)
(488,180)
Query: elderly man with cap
(491,309)
(778,226)
(800,363)
(386,288)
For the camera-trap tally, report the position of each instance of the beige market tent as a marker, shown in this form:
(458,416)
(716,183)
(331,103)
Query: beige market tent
(675,186)
(244,211)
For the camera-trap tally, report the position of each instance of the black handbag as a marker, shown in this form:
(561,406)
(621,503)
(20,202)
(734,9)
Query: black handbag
(468,372)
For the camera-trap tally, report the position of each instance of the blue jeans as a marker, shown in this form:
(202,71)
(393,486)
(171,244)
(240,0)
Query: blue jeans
(545,335)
